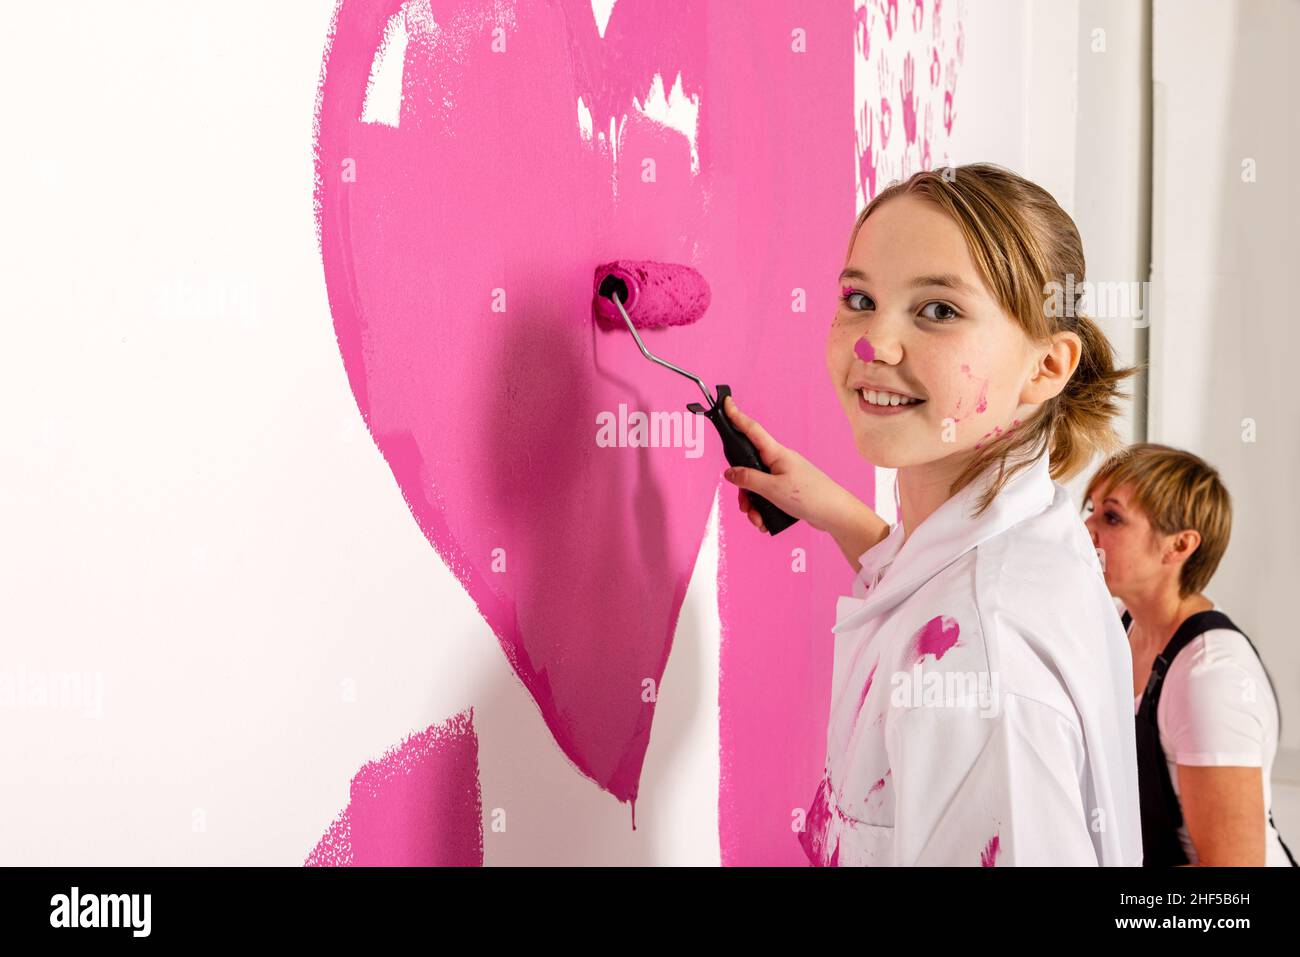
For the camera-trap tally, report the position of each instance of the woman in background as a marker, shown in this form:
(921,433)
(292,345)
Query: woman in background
(1207,717)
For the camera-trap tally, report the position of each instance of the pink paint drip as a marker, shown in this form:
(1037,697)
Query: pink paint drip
(935,637)
(863,350)
(989,856)
(419,805)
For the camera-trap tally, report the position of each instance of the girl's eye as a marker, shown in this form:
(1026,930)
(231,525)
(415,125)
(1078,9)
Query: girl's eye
(848,295)
(948,316)
(1112,518)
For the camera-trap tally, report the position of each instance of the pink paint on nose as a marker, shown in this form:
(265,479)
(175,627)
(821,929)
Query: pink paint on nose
(989,856)
(862,349)
(935,637)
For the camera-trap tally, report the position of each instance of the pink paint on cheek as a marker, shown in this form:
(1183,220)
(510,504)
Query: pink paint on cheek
(419,805)
(989,856)
(935,637)
(862,349)
(981,403)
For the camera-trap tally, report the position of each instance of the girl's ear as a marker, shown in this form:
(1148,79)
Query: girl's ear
(1054,368)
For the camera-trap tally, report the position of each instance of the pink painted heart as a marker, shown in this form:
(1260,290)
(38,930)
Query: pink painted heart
(459,235)
(459,226)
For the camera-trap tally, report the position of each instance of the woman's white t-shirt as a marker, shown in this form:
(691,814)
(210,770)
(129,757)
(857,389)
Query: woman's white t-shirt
(1217,709)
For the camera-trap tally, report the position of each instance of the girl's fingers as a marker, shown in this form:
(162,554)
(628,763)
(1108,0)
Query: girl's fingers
(763,443)
(743,499)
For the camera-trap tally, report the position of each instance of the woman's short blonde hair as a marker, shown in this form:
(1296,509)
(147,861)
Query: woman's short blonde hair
(1024,245)
(1176,490)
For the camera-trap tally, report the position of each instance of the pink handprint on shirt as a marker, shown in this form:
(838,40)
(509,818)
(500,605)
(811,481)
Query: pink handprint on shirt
(935,70)
(918,14)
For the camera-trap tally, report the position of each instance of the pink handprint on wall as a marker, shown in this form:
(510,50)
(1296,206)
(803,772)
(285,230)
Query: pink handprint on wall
(949,113)
(889,10)
(906,88)
(928,136)
(866,157)
(861,36)
(886,78)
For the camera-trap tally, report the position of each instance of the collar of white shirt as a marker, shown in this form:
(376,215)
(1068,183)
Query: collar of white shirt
(945,535)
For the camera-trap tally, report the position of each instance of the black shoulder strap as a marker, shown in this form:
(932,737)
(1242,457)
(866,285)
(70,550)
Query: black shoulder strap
(1192,626)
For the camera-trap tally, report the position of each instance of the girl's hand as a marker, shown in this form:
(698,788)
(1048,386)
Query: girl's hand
(795,485)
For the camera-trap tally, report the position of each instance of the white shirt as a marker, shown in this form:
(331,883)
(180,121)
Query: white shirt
(1217,708)
(981,709)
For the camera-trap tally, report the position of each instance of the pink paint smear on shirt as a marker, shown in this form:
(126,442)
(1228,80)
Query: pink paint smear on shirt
(866,687)
(880,783)
(935,637)
(417,806)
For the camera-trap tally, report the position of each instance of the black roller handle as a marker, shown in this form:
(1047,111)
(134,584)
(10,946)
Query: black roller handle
(740,451)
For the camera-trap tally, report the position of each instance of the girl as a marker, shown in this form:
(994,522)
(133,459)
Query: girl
(980,707)
(1207,718)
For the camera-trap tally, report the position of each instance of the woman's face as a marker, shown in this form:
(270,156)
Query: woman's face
(1129,549)
(916,320)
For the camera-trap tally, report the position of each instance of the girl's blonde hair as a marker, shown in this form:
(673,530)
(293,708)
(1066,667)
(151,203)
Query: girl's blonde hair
(1176,490)
(1025,246)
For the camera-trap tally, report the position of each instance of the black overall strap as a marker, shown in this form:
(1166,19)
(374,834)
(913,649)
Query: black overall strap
(1161,812)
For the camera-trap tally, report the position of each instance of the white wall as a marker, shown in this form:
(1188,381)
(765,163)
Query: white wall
(1223,337)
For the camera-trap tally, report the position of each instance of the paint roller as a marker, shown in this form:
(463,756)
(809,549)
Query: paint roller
(654,295)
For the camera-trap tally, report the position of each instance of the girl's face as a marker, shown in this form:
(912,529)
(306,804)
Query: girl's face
(915,320)
(1129,549)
